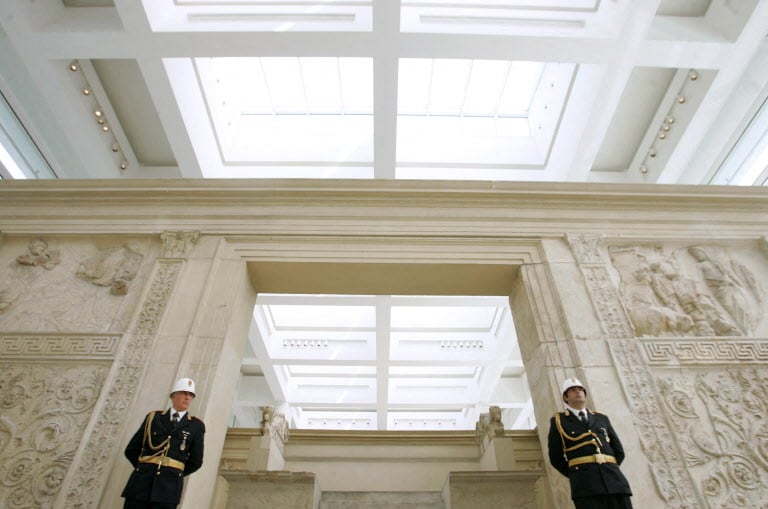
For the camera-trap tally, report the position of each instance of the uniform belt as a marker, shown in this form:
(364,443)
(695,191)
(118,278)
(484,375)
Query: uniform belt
(163,461)
(594,458)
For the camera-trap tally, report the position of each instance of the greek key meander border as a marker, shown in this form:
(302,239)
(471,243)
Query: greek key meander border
(83,489)
(65,346)
(700,352)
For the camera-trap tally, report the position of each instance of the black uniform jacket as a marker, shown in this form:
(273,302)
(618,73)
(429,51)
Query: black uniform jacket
(573,439)
(157,479)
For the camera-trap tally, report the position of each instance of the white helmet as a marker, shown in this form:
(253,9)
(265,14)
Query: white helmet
(572,382)
(185,385)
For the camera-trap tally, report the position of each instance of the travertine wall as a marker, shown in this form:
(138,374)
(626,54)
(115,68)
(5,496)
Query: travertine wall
(654,297)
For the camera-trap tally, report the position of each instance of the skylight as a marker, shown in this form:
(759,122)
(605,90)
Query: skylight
(747,161)
(19,156)
(282,112)
(477,114)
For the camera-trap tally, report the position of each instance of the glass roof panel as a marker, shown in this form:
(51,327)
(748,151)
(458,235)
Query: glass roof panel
(466,112)
(443,317)
(284,114)
(320,370)
(519,87)
(313,316)
(452,371)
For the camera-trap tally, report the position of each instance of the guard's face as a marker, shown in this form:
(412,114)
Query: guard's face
(181,400)
(575,397)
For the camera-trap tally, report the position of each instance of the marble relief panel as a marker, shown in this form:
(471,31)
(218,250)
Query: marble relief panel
(694,366)
(712,399)
(692,290)
(52,284)
(44,410)
(718,416)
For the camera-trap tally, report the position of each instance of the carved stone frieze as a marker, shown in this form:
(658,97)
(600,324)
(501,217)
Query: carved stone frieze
(688,291)
(586,248)
(58,346)
(672,479)
(719,421)
(86,478)
(610,312)
(715,351)
(176,244)
(45,409)
(6,299)
(702,426)
(58,299)
(39,255)
(114,267)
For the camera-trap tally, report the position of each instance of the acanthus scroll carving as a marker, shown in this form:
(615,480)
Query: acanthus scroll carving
(673,481)
(44,413)
(719,419)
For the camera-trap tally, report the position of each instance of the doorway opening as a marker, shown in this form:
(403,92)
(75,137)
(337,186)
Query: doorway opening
(426,359)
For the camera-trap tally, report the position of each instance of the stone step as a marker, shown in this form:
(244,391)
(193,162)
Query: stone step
(381,500)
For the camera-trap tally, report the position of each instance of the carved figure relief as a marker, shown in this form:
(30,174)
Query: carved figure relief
(39,255)
(731,285)
(34,299)
(44,414)
(6,299)
(689,291)
(649,316)
(114,267)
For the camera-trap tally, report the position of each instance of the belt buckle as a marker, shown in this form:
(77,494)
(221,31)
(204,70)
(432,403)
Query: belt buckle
(600,458)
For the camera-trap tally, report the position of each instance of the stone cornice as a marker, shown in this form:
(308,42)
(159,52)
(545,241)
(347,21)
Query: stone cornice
(381,208)
(355,437)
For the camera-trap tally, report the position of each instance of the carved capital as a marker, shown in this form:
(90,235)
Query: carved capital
(585,248)
(176,244)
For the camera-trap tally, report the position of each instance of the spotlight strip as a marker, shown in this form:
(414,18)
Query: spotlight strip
(100,116)
(665,128)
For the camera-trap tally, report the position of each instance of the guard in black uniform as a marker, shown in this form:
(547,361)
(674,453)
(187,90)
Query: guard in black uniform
(584,447)
(167,447)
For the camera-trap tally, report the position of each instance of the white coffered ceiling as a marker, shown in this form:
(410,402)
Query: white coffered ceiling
(657,91)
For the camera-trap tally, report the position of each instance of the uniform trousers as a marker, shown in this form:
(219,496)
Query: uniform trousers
(145,504)
(604,502)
